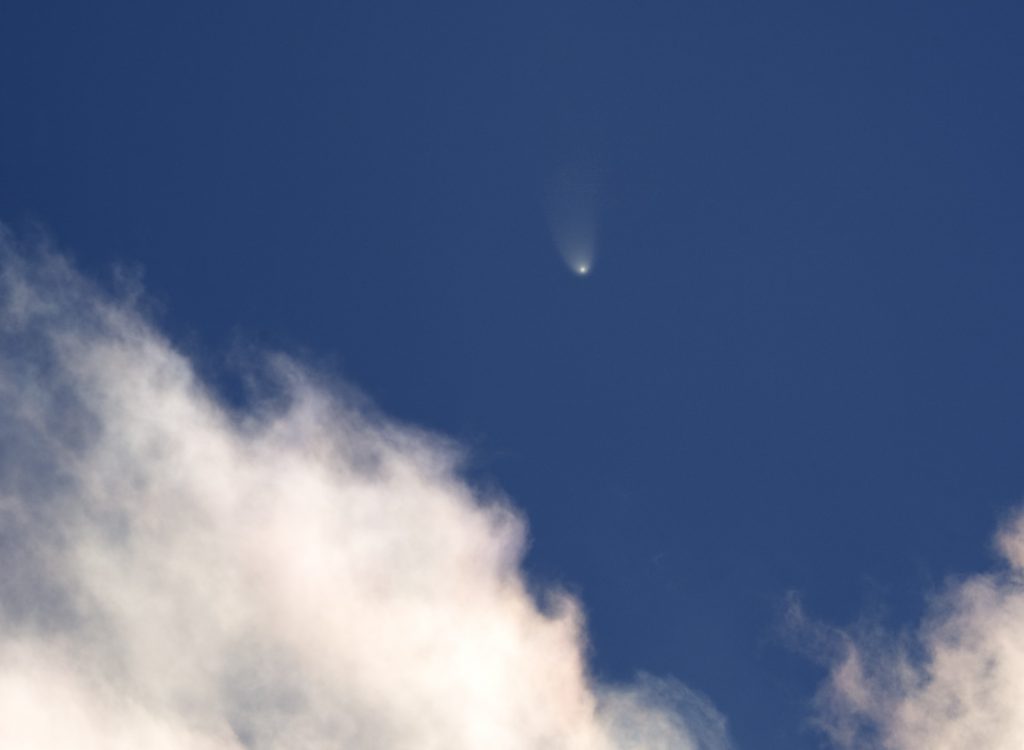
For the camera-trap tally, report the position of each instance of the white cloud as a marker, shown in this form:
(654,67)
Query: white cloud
(296,574)
(955,684)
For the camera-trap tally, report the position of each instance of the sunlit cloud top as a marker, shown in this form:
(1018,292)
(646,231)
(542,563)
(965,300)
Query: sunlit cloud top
(299,572)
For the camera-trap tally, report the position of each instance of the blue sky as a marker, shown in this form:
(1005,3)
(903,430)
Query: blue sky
(794,367)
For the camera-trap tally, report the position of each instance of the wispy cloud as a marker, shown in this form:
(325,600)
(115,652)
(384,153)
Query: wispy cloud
(297,573)
(955,683)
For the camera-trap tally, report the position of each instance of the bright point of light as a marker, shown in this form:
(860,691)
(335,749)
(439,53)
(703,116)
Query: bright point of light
(583,269)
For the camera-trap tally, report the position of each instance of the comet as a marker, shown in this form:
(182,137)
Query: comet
(572,213)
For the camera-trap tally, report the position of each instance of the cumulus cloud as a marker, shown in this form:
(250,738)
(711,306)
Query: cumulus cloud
(297,573)
(957,683)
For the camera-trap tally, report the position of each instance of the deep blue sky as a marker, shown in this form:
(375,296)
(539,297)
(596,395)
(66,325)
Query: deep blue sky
(798,362)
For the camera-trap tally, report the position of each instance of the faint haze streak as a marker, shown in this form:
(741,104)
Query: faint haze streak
(298,573)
